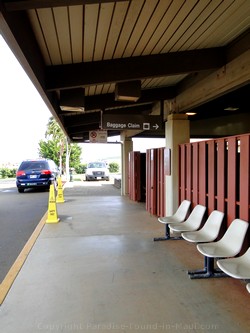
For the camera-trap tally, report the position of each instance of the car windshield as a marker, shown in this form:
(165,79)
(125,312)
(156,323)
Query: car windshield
(96,165)
(31,165)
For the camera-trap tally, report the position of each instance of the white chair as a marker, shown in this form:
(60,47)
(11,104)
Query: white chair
(193,222)
(248,287)
(238,268)
(228,246)
(178,217)
(209,232)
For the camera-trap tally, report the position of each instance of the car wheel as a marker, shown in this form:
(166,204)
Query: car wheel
(20,190)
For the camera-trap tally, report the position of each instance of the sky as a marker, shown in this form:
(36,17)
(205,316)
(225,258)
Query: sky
(24,117)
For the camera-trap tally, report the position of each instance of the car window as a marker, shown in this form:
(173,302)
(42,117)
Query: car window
(97,165)
(37,165)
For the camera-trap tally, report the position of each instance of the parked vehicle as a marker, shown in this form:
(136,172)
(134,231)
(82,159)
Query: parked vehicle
(37,173)
(97,171)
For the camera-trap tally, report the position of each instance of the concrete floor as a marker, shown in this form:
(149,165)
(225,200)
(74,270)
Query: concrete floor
(98,270)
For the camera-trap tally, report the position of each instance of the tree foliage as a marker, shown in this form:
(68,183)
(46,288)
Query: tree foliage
(113,167)
(56,147)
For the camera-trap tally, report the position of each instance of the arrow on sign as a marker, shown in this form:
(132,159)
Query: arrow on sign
(155,126)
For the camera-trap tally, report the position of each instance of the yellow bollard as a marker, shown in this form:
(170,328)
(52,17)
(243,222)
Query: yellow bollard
(59,197)
(52,210)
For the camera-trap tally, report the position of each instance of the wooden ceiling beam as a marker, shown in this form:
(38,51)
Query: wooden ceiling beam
(106,101)
(133,68)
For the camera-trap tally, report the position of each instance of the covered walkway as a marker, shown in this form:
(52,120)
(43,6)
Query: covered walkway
(98,270)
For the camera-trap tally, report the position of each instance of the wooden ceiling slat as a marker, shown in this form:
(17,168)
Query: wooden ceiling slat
(187,26)
(130,21)
(117,23)
(98,89)
(103,27)
(166,42)
(63,33)
(205,30)
(39,36)
(233,20)
(162,28)
(194,29)
(157,16)
(50,35)
(76,31)
(141,24)
(90,24)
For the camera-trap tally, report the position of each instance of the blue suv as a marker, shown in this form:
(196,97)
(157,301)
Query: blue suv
(38,173)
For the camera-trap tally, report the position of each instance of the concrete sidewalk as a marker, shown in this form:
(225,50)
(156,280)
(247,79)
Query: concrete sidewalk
(98,270)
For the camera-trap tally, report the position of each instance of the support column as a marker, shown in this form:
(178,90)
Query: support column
(127,146)
(177,131)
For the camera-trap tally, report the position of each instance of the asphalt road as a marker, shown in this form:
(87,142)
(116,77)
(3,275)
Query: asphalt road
(19,215)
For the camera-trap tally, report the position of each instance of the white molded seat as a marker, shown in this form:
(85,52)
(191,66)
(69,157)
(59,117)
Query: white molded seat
(238,268)
(193,222)
(248,287)
(209,232)
(228,246)
(179,216)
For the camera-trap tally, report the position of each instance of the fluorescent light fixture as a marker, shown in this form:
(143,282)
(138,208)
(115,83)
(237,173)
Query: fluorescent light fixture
(231,108)
(71,108)
(128,91)
(191,113)
(72,100)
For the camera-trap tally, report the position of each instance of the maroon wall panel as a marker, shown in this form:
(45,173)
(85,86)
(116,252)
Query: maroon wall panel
(244,192)
(136,181)
(195,175)
(211,176)
(231,179)
(202,173)
(216,173)
(151,185)
(221,172)
(160,182)
(189,172)
(182,174)
(148,192)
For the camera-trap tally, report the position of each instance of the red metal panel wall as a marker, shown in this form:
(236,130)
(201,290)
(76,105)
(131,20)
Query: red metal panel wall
(189,172)
(202,172)
(136,184)
(221,174)
(153,181)
(211,181)
(231,179)
(195,174)
(130,173)
(151,185)
(244,192)
(216,173)
(148,192)
(151,190)
(161,182)
(182,174)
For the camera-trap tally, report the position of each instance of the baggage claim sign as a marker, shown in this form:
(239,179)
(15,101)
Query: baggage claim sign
(133,122)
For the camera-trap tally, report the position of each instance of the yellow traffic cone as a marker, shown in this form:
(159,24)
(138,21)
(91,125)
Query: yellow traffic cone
(52,210)
(59,197)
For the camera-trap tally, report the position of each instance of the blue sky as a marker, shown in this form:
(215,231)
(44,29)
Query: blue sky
(24,117)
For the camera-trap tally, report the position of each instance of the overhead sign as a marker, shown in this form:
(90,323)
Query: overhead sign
(98,136)
(131,122)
